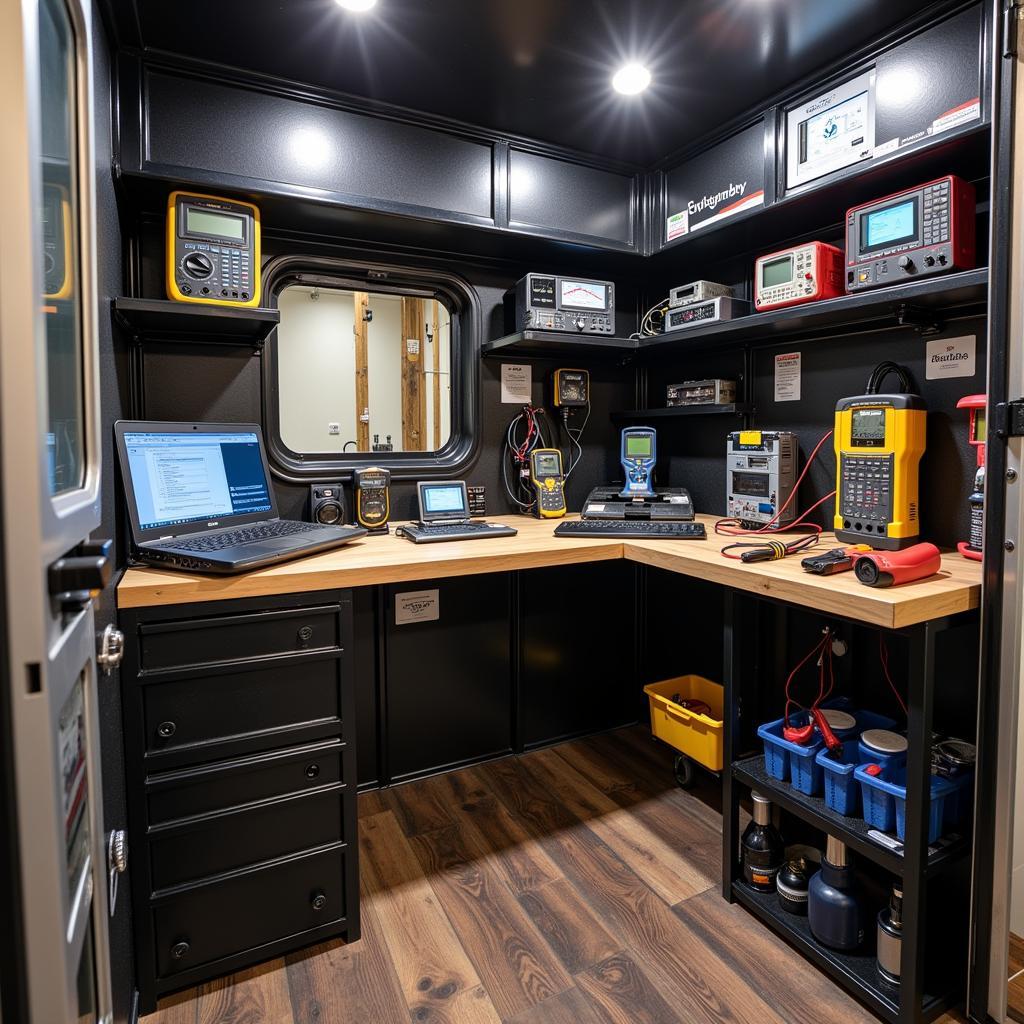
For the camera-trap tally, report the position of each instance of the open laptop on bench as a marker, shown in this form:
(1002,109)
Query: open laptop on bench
(199,498)
(444,515)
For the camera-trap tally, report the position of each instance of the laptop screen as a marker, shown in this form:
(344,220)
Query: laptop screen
(183,478)
(443,500)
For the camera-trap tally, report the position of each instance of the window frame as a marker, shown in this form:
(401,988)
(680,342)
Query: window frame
(463,304)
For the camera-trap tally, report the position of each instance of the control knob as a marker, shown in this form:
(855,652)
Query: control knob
(197,265)
(905,263)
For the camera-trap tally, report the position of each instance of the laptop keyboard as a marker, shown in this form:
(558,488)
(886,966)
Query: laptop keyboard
(244,535)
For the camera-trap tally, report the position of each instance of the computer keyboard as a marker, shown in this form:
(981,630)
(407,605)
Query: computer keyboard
(244,535)
(631,528)
(421,534)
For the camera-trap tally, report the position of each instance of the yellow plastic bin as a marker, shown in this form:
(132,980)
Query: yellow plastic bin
(698,737)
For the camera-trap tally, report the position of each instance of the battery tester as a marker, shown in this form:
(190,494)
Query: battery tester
(548,483)
(639,453)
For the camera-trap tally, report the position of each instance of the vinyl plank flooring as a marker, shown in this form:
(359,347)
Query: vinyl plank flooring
(335,983)
(533,890)
(624,994)
(577,937)
(657,863)
(437,977)
(514,962)
(257,994)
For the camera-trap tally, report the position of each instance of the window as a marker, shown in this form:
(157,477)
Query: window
(368,369)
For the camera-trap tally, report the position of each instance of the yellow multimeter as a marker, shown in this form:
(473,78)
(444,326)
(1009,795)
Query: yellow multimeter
(213,250)
(548,482)
(879,441)
(57,257)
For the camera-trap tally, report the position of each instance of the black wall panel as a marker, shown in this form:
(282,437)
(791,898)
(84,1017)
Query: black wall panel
(449,682)
(365,669)
(556,197)
(204,126)
(576,669)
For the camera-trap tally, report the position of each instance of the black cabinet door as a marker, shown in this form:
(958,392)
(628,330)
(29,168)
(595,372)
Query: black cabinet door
(576,651)
(449,678)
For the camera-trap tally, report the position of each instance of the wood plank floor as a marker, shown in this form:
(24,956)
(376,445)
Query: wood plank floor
(573,885)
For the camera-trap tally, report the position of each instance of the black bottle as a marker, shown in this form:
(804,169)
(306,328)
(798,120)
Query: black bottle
(763,849)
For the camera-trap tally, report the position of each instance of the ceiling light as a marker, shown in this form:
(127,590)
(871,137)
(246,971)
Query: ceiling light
(356,5)
(631,79)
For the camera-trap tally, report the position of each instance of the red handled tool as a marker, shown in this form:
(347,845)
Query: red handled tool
(803,734)
(891,568)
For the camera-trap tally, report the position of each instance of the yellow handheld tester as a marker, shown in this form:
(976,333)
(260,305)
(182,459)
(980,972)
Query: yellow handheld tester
(879,441)
(548,482)
(213,250)
(58,259)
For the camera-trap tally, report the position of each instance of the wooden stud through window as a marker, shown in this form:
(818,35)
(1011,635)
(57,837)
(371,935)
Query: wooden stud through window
(360,304)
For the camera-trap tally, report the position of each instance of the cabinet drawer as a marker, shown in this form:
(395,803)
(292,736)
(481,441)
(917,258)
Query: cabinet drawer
(214,921)
(235,839)
(214,787)
(233,705)
(170,645)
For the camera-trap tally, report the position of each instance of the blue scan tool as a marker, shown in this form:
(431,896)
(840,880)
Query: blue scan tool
(639,453)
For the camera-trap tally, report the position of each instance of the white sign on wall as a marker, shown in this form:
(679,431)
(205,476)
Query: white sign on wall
(950,357)
(417,606)
(516,382)
(787,377)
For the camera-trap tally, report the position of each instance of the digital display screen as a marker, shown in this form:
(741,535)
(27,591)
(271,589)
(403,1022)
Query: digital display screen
(891,225)
(693,314)
(209,222)
(836,134)
(638,446)
(547,465)
(754,485)
(583,295)
(444,498)
(868,428)
(980,427)
(777,271)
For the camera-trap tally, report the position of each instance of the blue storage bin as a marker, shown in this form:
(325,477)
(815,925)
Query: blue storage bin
(842,794)
(784,760)
(959,801)
(885,800)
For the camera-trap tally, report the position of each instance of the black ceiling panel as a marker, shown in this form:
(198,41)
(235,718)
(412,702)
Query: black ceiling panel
(535,68)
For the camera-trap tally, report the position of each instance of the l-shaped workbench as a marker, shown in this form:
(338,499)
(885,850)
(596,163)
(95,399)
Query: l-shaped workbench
(240,741)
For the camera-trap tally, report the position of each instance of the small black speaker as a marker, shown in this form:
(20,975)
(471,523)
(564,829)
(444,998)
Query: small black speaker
(327,504)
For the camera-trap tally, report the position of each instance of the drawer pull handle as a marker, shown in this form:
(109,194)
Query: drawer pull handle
(180,950)
(305,634)
(319,901)
(312,771)
(165,730)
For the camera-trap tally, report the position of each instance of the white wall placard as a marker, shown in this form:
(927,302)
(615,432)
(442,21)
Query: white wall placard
(417,606)
(950,357)
(515,383)
(787,377)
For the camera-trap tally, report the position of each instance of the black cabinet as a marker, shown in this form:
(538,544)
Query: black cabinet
(576,644)
(449,679)
(240,760)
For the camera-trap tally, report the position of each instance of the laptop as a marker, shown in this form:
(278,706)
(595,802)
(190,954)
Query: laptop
(199,498)
(444,515)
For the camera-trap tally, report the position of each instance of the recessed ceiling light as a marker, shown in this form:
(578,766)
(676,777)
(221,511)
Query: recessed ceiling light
(356,5)
(631,79)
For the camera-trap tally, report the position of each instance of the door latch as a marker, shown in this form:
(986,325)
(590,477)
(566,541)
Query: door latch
(117,863)
(111,649)
(1008,418)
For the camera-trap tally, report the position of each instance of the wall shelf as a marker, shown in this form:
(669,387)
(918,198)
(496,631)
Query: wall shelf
(554,344)
(191,322)
(904,304)
(673,412)
(851,830)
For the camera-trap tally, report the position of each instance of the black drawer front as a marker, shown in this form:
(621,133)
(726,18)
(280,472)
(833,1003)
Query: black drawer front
(170,645)
(226,784)
(232,705)
(227,842)
(215,921)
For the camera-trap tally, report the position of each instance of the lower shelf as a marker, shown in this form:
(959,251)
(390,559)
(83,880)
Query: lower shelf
(856,972)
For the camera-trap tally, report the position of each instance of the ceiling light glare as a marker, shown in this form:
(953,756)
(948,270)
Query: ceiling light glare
(356,5)
(631,79)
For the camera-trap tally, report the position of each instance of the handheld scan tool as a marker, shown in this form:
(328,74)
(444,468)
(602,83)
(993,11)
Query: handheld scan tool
(638,456)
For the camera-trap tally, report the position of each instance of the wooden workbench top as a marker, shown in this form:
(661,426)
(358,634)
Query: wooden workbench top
(390,559)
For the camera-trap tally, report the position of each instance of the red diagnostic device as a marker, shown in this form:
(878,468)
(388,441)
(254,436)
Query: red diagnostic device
(801,273)
(891,568)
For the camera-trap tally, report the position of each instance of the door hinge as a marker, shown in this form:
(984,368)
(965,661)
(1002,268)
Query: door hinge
(1011,15)
(111,649)
(1008,418)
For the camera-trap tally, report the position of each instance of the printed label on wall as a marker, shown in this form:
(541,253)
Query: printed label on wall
(787,377)
(950,357)
(969,111)
(412,346)
(417,606)
(516,382)
(680,223)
